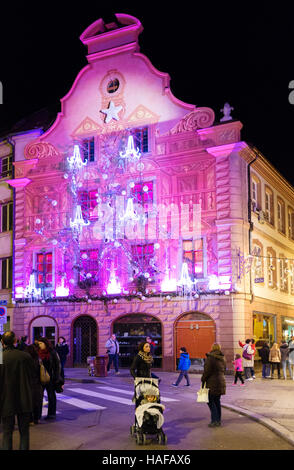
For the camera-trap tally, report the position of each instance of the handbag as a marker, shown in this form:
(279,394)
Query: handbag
(202,395)
(44,375)
(247,356)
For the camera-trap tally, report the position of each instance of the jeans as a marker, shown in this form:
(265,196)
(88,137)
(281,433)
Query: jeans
(286,364)
(112,358)
(215,407)
(248,372)
(266,370)
(23,421)
(51,399)
(274,364)
(183,373)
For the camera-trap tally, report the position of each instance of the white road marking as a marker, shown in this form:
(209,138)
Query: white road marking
(101,395)
(127,392)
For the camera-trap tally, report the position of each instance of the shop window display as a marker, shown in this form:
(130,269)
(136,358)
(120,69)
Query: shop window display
(131,330)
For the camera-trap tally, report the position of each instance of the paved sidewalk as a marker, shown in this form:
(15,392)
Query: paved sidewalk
(270,402)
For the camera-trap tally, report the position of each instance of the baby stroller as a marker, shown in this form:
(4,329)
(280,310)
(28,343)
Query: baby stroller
(149,411)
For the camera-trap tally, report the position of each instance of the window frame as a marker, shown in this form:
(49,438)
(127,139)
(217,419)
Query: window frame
(8,262)
(9,217)
(193,262)
(8,172)
(44,272)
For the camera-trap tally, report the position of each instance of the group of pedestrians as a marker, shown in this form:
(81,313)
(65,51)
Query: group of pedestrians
(21,386)
(277,358)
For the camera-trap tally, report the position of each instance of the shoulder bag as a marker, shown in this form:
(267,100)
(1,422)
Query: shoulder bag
(44,375)
(202,395)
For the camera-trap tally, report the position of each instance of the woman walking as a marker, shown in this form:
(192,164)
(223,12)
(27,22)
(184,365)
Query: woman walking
(37,389)
(214,378)
(275,359)
(141,366)
(51,362)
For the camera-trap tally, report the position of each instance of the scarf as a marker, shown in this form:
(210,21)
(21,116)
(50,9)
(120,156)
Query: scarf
(146,357)
(44,354)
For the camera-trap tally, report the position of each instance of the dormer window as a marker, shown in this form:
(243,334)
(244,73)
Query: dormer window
(141,139)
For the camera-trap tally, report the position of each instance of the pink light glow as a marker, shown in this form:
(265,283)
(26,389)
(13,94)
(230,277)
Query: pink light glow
(114,286)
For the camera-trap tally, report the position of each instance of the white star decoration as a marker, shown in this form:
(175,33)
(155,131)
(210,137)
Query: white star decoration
(111,112)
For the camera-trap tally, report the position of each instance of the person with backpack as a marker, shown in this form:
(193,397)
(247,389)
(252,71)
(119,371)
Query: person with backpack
(183,367)
(248,359)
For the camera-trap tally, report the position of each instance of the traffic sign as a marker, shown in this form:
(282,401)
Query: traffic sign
(3,314)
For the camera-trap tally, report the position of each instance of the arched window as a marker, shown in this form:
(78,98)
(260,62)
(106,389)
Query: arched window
(291,223)
(269,205)
(258,267)
(281,215)
(283,269)
(271,268)
(255,193)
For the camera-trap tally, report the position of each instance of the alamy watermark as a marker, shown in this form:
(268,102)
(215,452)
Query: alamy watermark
(291,94)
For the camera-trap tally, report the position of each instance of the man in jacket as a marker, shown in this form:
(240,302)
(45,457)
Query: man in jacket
(112,346)
(264,355)
(16,375)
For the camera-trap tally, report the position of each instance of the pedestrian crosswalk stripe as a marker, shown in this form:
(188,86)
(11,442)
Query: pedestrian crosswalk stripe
(81,403)
(90,393)
(127,392)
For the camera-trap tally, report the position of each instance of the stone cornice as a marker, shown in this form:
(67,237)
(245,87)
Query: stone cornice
(227,149)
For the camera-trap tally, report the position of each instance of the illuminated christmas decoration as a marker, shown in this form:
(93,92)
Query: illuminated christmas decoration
(31,289)
(78,223)
(75,162)
(131,154)
(130,213)
(168,285)
(185,280)
(111,112)
(113,286)
(213,283)
(62,291)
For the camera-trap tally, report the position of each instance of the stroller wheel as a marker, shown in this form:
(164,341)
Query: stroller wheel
(139,439)
(162,439)
(132,430)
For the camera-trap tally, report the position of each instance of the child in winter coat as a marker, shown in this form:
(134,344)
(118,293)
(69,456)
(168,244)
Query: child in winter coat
(238,369)
(184,366)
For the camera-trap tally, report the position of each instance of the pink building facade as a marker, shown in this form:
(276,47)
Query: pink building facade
(131,214)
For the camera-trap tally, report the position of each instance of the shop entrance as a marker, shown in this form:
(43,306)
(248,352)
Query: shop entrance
(131,330)
(196,332)
(84,340)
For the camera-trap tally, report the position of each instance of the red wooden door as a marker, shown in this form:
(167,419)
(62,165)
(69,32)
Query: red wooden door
(197,336)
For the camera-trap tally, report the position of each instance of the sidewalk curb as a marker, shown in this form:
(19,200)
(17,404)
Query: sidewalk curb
(276,428)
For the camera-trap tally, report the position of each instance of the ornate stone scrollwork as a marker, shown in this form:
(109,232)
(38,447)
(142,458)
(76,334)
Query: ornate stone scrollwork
(197,119)
(40,150)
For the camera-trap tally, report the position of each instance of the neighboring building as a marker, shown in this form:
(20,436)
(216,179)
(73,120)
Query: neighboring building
(6,226)
(152,235)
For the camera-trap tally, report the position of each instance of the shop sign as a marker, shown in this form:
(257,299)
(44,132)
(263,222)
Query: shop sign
(259,280)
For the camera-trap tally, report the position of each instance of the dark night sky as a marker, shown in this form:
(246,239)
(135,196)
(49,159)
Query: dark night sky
(215,53)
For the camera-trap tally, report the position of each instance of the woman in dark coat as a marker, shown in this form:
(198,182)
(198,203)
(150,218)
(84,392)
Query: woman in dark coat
(214,378)
(51,362)
(37,389)
(141,366)
(62,351)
